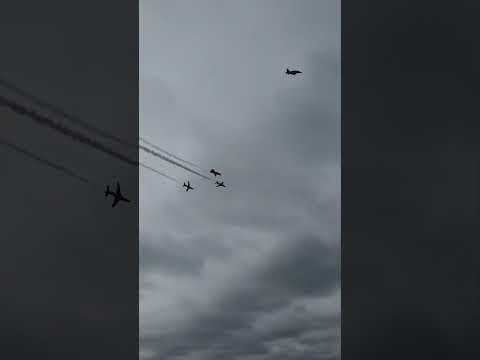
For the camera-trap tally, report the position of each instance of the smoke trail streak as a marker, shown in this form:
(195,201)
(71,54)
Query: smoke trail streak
(163,157)
(86,125)
(160,173)
(69,117)
(170,154)
(68,132)
(43,120)
(44,161)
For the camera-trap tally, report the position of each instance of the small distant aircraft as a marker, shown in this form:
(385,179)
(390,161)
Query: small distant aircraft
(187,186)
(215,173)
(219,184)
(292,72)
(117,195)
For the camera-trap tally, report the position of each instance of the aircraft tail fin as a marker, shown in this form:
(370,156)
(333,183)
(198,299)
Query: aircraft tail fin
(107,190)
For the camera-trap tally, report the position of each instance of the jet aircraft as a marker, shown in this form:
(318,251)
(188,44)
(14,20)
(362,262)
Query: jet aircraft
(215,173)
(117,195)
(292,72)
(187,186)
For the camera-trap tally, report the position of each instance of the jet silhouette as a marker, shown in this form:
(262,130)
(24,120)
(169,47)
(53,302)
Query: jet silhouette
(219,184)
(117,195)
(215,173)
(187,186)
(292,72)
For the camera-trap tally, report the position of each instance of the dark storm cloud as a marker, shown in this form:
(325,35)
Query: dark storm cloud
(286,274)
(305,268)
(228,326)
(272,291)
(177,255)
(176,260)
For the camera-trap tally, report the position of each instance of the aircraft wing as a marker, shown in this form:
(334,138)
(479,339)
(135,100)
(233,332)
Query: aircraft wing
(115,201)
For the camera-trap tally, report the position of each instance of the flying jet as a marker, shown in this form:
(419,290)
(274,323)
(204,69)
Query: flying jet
(187,186)
(215,173)
(219,184)
(292,72)
(117,195)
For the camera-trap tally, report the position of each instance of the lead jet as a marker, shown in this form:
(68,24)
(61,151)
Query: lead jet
(292,72)
(220,184)
(117,195)
(187,186)
(215,173)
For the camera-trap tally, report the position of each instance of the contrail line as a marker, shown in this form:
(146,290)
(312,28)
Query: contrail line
(69,117)
(44,161)
(160,173)
(170,154)
(43,120)
(98,131)
(163,157)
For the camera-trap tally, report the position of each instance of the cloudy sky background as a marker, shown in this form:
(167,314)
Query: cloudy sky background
(251,271)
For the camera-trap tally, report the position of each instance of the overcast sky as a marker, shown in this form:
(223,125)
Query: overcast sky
(251,271)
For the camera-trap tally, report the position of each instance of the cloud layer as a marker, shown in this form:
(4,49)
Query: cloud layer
(251,271)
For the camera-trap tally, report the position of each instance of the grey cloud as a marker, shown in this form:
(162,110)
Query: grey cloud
(175,259)
(175,255)
(306,267)
(156,101)
(226,328)
(243,262)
